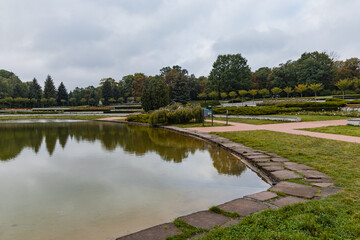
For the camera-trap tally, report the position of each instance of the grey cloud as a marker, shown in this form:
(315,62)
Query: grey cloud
(79,42)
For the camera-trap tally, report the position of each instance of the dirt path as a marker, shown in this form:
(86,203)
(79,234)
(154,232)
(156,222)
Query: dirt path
(292,128)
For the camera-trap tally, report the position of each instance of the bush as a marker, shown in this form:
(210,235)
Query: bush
(315,106)
(266,110)
(176,114)
(348,96)
(334,100)
(141,118)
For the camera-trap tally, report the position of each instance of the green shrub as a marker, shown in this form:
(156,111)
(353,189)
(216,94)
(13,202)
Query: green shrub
(348,96)
(266,110)
(176,114)
(141,118)
(353,102)
(315,106)
(334,100)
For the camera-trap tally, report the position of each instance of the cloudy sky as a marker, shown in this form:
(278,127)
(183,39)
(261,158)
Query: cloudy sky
(81,41)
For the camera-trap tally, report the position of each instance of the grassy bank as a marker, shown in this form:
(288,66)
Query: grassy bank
(335,217)
(342,130)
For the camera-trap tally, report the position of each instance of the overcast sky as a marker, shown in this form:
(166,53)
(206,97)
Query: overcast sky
(80,42)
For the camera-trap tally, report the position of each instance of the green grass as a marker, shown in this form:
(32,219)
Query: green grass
(191,125)
(186,229)
(218,210)
(308,118)
(335,217)
(342,130)
(85,117)
(250,121)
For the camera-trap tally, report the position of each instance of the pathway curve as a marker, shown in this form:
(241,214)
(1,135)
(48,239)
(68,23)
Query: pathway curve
(292,128)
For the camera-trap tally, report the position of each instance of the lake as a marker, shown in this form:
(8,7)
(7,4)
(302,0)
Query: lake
(97,180)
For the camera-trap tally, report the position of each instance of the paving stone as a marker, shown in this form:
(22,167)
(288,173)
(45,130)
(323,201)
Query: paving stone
(285,174)
(159,232)
(313,174)
(261,159)
(205,219)
(295,189)
(329,191)
(287,201)
(268,164)
(229,145)
(273,155)
(273,168)
(263,196)
(242,206)
(258,156)
(231,223)
(322,185)
(279,159)
(297,167)
(321,180)
(253,154)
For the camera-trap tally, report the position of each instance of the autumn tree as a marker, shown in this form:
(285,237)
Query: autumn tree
(288,91)
(263,92)
(276,91)
(223,95)
(343,85)
(253,93)
(242,94)
(232,94)
(301,88)
(138,84)
(316,87)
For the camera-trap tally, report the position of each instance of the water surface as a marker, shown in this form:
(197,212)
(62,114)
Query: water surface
(92,180)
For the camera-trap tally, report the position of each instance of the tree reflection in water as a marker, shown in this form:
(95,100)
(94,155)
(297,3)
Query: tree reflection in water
(172,147)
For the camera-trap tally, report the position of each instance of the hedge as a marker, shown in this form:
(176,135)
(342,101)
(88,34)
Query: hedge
(141,118)
(176,114)
(266,110)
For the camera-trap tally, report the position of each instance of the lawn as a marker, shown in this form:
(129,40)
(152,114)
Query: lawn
(335,217)
(249,121)
(342,130)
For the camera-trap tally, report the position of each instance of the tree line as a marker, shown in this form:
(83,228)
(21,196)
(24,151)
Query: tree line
(313,73)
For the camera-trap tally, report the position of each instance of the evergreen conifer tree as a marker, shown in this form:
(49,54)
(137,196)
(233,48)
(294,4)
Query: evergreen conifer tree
(49,88)
(35,90)
(62,95)
(180,91)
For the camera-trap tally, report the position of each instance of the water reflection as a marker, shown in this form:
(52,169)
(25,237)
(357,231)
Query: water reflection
(132,139)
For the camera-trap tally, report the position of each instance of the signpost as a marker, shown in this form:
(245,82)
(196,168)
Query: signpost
(208,114)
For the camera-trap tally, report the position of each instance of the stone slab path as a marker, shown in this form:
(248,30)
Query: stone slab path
(271,166)
(292,128)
